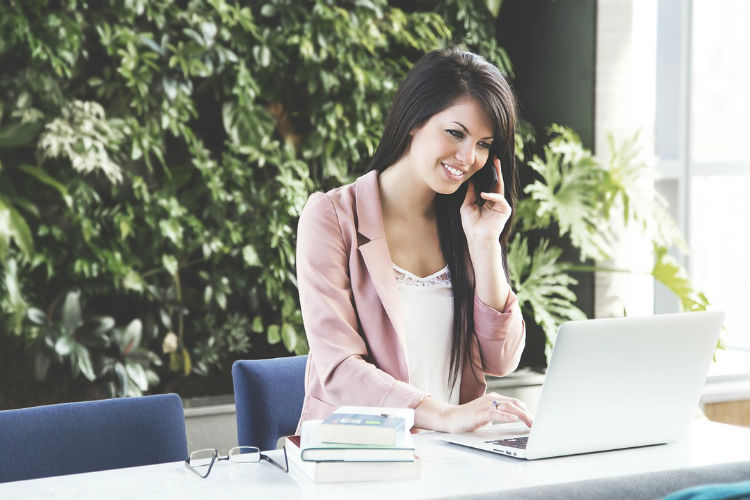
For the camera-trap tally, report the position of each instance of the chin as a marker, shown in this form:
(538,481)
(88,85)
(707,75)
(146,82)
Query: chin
(446,187)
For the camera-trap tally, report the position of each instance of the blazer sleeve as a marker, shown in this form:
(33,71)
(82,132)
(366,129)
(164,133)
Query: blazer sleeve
(336,347)
(501,335)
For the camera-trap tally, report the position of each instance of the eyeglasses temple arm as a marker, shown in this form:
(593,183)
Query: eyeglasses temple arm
(271,460)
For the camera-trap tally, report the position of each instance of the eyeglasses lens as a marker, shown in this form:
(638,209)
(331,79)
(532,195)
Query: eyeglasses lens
(202,458)
(244,454)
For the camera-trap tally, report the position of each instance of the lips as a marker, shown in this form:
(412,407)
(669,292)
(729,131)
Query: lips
(452,172)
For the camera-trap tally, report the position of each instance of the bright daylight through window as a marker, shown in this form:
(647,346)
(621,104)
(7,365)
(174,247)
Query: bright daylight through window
(720,157)
(702,148)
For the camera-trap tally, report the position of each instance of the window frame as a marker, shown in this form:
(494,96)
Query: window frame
(674,57)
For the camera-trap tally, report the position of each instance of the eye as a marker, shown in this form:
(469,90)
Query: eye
(455,133)
(485,145)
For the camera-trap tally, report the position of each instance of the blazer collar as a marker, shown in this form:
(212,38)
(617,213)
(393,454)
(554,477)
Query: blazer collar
(369,211)
(377,258)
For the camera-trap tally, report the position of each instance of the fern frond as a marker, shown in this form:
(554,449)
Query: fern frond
(669,272)
(572,191)
(543,285)
(632,177)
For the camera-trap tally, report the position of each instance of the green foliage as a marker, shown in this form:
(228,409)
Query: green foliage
(669,272)
(473,27)
(543,285)
(92,347)
(584,200)
(571,191)
(630,179)
(583,196)
(156,156)
(83,136)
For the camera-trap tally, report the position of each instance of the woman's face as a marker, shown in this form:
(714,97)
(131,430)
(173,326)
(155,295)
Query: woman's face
(451,146)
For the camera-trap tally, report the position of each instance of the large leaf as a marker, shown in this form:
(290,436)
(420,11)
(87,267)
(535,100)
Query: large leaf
(42,176)
(65,345)
(123,380)
(41,365)
(542,285)
(83,358)
(187,364)
(71,312)
(634,196)
(181,361)
(273,334)
(131,337)
(18,134)
(97,325)
(250,256)
(37,316)
(493,6)
(572,191)
(669,272)
(170,263)
(13,296)
(289,336)
(93,333)
(137,374)
(14,227)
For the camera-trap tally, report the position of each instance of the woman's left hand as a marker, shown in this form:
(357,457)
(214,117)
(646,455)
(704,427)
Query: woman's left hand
(485,222)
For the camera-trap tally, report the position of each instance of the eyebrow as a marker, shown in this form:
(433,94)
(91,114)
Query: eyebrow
(467,130)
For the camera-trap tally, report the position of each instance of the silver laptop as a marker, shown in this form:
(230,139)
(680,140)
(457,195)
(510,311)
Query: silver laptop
(611,384)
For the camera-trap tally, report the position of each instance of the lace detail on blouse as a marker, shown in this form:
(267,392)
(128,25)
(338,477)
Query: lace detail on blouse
(440,279)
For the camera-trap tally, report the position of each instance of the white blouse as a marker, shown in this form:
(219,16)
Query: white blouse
(427,306)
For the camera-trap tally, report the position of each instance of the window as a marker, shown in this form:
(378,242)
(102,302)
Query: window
(702,144)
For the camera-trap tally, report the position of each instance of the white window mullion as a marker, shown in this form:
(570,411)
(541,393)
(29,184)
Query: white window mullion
(685,128)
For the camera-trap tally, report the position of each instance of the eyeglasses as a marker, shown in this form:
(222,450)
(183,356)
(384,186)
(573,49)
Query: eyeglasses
(202,461)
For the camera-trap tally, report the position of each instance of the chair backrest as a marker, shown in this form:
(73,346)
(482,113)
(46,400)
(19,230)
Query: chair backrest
(268,395)
(89,436)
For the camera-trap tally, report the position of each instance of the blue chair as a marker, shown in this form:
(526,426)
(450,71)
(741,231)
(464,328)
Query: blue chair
(268,395)
(89,436)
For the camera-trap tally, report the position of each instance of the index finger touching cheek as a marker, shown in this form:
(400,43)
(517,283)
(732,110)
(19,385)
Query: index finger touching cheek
(500,184)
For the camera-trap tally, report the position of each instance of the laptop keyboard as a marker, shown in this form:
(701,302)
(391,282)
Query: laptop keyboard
(519,442)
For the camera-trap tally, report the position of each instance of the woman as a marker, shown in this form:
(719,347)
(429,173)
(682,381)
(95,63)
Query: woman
(402,275)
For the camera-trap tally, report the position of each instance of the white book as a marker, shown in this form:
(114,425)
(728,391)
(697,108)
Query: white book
(361,428)
(313,449)
(406,413)
(346,472)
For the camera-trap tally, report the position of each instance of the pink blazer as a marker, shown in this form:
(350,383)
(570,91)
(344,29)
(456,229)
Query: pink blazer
(350,308)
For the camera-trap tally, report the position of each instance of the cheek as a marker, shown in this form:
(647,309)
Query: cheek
(481,157)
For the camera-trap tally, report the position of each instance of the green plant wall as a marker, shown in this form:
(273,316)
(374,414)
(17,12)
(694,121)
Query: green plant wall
(154,157)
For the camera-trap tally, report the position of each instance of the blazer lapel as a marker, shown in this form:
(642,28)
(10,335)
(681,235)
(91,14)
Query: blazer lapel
(376,256)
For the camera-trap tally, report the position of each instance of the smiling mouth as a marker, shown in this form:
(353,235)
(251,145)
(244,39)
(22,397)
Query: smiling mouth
(452,172)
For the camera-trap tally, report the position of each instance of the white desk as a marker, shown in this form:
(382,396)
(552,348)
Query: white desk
(447,471)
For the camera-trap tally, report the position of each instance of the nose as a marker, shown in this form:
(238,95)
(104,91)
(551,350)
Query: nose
(465,153)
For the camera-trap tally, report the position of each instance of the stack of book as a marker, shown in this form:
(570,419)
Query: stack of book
(356,443)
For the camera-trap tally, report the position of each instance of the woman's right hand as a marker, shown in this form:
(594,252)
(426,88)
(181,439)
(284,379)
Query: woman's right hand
(491,407)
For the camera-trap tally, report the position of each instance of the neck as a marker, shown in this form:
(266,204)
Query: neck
(404,195)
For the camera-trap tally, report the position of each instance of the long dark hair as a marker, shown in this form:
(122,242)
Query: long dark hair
(435,82)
